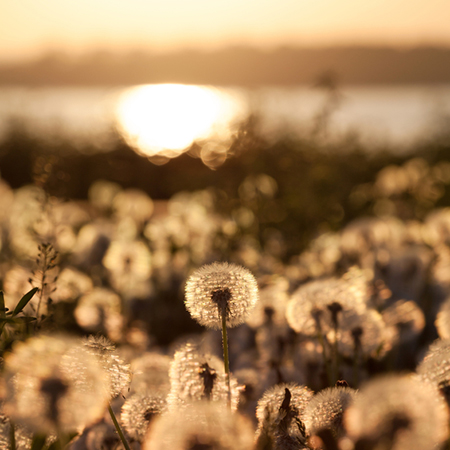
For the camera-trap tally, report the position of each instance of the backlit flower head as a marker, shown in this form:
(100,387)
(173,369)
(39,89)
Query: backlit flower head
(204,426)
(326,410)
(54,383)
(319,303)
(137,413)
(117,371)
(221,289)
(279,413)
(398,412)
(435,366)
(196,376)
(151,374)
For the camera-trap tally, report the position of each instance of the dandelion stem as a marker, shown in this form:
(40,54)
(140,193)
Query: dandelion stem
(324,353)
(118,429)
(225,355)
(12,436)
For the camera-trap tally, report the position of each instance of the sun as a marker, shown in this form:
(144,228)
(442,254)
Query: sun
(165,119)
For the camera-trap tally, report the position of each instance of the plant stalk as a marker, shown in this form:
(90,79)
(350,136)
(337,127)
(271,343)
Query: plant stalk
(225,355)
(118,428)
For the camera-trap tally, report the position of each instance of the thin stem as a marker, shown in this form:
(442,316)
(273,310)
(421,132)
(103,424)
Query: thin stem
(225,355)
(12,435)
(118,429)
(325,359)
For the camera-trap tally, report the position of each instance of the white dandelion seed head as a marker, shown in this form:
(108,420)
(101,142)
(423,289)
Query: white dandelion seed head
(326,409)
(118,372)
(53,382)
(137,413)
(435,366)
(316,298)
(401,410)
(443,320)
(268,409)
(367,328)
(221,287)
(150,374)
(203,426)
(196,376)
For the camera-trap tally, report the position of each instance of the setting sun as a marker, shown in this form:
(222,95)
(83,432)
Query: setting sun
(165,119)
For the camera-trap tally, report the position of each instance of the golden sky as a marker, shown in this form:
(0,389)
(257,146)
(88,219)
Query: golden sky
(30,27)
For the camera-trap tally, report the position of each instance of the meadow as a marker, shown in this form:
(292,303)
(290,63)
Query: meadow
(294,295)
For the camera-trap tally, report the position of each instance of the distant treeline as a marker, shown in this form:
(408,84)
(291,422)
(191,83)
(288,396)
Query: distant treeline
(237,66)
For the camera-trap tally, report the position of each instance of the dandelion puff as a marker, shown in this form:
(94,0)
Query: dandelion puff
(22,436)
(363,330)
(118,372)
(196,376)
(221,288)
(137,413)
(151,374)
(404,320)
(53,384)
(443,320)
(204,426)
(398,412)
(326,410)
(100,311)
(279,414)
(435,366)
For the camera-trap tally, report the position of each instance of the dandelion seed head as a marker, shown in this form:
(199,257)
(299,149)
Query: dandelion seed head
(326,409)
(443,320)
(324,299)
(435,366)
(202,426)
(22,436)
(128,263)
(367,330)
(221,288)
(196,376)
(71,285)
(401,410)
(137,413)
(118,372)
(53,382)
(268,409)
(404,321)
(100,311)
(151,374)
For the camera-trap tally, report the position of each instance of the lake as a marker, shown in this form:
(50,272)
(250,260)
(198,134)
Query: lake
(169,117)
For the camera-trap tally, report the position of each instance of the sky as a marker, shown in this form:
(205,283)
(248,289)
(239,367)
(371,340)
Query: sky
(30,28)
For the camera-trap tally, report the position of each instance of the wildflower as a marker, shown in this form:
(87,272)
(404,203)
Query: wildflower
(362,332)
(404,320)
(195,376)
(203,426)
(326,410)
(100,311)
(279,414)
(129,267)
(117,371)
(319,303)
(435,366)
(53,384)
(137,413)
(71,285)
(443,320)
(151,374)
(221,289)
(398,412)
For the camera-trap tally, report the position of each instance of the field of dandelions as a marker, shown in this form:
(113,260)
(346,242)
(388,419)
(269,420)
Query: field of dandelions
(302,301)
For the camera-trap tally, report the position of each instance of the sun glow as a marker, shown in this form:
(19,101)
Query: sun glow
(166,119)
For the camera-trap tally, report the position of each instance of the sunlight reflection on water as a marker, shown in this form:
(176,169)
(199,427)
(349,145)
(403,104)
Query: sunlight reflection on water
(166,119)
